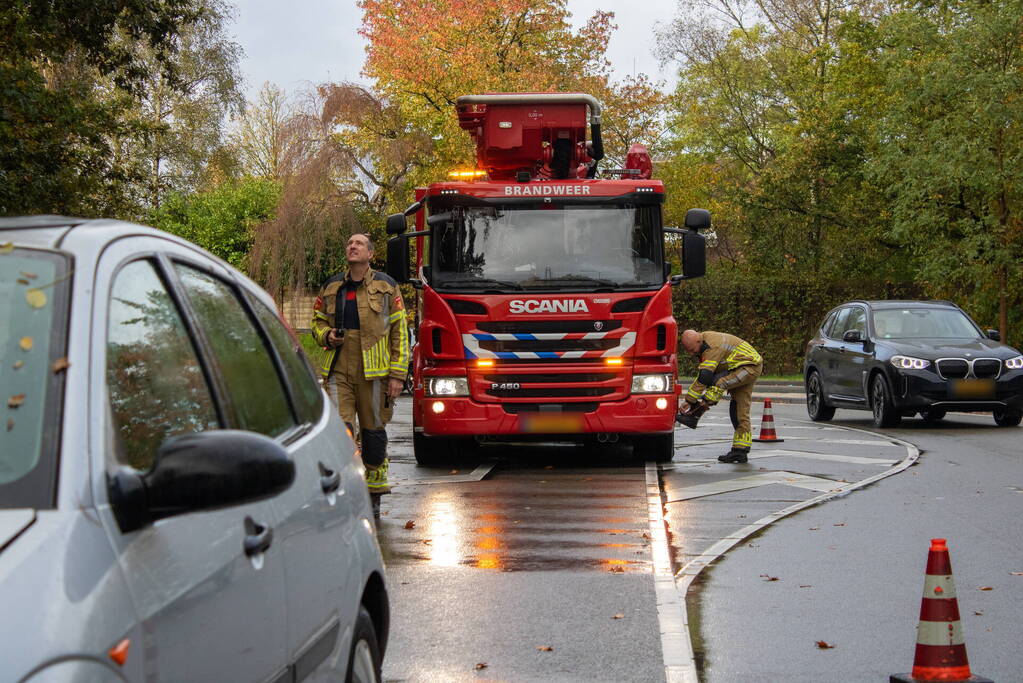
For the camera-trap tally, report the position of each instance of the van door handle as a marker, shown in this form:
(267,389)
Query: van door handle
(330,480)
(257,537)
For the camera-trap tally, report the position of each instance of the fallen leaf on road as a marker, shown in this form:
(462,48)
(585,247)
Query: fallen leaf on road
(985,588)
(60,365)
(6,247)
(979,614)
(427,541)
(481,665)
(618,616)
(16,400)
(25,343)
(805,585)
(453,472)
(410,524)
(617,569)
(741,517)
(765,577)
(646,535)
(549,467)
(544,648)
(824,645)
(842,524)
(1016,573)
(815,528)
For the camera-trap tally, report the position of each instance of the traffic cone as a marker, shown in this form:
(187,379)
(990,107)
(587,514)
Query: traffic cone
(940,647)
(767,425)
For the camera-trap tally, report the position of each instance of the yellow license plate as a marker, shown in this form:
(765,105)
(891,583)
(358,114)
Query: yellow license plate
(972,388)
(551,423)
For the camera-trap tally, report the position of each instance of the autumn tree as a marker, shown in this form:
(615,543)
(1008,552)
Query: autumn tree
(767,112)
(952,152)
(261,136)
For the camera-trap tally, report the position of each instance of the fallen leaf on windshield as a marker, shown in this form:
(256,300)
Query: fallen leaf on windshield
(544,648)
(30,276)
(453,472)
(22,281)
(10,423)
(824,645)
(618,616)
(481,665)
(16,400)
(410,524)
(985,588)
(18,364)
(765,577)
(60,365)
(36,298)
(25,343)
(6,247)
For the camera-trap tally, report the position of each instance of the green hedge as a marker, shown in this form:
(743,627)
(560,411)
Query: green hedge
(777,315)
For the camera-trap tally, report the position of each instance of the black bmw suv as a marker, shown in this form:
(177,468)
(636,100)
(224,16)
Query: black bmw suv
(898,358)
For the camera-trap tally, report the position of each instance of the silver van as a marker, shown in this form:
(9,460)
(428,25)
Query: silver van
(179,500)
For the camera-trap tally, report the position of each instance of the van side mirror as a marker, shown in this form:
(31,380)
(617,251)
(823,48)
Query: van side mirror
(396,224)
(397,257)
(201,471)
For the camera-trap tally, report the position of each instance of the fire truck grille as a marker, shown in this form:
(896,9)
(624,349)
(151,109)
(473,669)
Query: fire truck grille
(553,392)
(552,378)
(541,345)
(547,326)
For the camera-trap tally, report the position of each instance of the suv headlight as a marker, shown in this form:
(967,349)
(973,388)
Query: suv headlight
(447,386)
(909,363)
(651,384)
(1014,363)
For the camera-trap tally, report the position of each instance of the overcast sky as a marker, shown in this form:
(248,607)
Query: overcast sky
(297,43)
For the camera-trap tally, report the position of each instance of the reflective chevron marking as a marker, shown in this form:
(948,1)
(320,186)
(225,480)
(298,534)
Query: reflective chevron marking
(753,481)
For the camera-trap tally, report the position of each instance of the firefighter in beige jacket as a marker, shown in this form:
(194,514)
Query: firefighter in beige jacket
(359,319)
(730,364)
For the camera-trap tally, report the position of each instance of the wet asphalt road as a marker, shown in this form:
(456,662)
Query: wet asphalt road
(551,548)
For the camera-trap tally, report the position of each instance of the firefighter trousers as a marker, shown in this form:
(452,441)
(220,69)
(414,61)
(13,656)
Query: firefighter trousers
(739,385)
(358,397)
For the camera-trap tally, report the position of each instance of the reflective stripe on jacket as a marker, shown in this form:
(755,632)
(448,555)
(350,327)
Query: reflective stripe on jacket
(383,332)
(720,352)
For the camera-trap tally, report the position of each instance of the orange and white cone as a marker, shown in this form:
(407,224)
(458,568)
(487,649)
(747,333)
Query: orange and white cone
(940,647)
(767,424)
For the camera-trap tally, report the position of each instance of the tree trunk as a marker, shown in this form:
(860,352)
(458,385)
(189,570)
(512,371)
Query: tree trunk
(1003,305)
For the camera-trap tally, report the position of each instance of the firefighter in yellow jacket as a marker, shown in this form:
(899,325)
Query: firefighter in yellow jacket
(359,319)
(730,364)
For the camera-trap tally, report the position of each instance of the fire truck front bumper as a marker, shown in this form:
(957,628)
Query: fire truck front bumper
(646,414)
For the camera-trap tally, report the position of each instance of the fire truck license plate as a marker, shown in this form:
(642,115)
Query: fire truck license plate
(551,423)
(972,388)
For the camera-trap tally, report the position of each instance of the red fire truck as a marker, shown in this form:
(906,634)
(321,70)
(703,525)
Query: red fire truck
(545,295)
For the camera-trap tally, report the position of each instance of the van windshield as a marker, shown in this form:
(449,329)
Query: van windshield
(33,311)
(550,247)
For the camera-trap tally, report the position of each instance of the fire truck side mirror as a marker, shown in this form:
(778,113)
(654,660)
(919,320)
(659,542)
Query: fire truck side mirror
(396,225)
(698,219)
(694,254)
(397,256)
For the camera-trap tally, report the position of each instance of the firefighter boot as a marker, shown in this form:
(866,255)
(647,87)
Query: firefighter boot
(376,479)
(692,416)
(736,455)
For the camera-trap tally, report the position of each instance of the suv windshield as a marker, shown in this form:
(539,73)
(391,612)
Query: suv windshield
(556,247)
(33,295)
(923,323)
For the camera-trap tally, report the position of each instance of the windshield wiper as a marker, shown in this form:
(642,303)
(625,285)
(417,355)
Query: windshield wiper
(481,282)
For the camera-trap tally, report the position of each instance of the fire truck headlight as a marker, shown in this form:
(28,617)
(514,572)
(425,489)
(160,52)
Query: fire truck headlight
(447,386)
(651,384)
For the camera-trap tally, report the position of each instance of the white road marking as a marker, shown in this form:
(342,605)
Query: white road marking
(753,481)
(853,459)
(676,646)
(477,474)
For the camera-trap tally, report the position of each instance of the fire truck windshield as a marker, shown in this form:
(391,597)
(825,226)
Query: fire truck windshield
(559,247)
